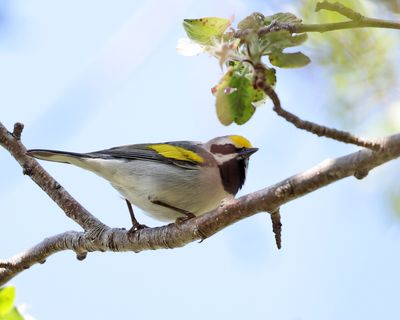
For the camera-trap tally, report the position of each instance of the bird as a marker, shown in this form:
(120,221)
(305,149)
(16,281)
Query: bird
(169,181)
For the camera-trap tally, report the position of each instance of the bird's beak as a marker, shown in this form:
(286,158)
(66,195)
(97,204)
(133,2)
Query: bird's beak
(247,152)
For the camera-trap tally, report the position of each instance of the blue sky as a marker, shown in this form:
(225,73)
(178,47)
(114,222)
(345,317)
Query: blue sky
(89,75)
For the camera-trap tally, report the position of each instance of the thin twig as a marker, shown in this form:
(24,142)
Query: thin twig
(319,130)
(18,127)
(357,21)
(325,27)
(277,227)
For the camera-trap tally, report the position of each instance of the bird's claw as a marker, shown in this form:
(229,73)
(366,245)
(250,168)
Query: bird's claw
(137,227)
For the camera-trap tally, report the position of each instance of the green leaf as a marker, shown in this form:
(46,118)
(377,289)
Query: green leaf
(283,17)
(236,96)
(13,314)
(7,297)
(279,40)
(270,74)
(298,39)
(253,21)
(289,60)
(221,100)
(241,99)
(257,20)
(204,30)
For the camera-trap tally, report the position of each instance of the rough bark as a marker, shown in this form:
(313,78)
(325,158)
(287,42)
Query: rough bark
(99,237)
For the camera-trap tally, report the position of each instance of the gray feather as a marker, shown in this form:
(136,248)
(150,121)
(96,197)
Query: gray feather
(58,156)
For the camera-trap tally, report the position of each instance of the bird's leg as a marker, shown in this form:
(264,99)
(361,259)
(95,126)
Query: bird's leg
(188,214)
(135,224)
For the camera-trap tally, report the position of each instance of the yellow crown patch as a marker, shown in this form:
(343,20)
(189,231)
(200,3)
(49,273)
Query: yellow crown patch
(240,142)
(176,153)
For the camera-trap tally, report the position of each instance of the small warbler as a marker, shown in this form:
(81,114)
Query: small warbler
(169,180)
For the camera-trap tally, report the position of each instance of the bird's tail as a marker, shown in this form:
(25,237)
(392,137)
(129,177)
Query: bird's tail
(59,156)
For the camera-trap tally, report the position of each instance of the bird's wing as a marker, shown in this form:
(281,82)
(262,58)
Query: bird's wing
(174,153)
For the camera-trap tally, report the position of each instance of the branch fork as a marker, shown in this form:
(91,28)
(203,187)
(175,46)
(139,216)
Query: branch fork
(99,237)
(96,236)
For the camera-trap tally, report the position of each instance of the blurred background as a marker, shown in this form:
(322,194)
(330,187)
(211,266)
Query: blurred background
(88,75)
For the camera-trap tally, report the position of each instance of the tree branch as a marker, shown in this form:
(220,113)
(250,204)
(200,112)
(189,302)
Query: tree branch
(317,129)
(357,21)
(325,27)
(73,209)
(356,164)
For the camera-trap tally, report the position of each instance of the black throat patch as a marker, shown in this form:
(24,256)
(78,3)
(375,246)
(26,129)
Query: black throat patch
(233,174)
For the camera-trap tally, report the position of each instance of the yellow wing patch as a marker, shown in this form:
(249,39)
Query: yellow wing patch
(176,153)
(240,142)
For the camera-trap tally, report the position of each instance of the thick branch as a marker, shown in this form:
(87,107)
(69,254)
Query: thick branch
(73,209)
(37,254)
(356,164)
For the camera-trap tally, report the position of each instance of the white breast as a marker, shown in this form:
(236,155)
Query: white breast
(143,181)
